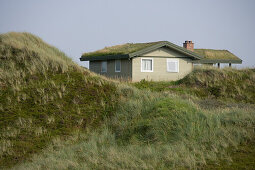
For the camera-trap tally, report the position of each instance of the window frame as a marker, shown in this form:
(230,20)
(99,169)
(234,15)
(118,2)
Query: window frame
(117,71)
(172,60)
(102,67)
(152,63)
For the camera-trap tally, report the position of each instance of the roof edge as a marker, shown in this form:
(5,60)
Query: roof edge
(105,57)
(211,61)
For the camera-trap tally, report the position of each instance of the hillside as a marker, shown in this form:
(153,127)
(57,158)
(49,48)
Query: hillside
(44,95)
(222,84)
(154,131)
(57,115)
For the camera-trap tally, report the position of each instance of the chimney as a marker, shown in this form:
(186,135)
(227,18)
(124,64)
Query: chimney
(189,45)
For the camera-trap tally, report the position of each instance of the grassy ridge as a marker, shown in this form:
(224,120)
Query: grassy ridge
(44,95)
(222,84)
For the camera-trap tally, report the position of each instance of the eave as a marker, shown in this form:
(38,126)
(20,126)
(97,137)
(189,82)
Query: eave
(106,57)
(214,61)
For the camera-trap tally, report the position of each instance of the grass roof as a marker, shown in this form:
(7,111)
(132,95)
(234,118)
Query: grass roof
(211,54)
(123,49)
(120,49)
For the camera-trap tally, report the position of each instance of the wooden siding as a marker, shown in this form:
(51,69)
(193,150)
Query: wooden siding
(125,73)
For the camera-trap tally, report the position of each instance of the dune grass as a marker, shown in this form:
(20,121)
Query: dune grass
(153,131)
(226,84)
(242,158)
(44,95)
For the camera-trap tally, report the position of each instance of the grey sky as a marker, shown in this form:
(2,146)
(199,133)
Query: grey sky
(77,26)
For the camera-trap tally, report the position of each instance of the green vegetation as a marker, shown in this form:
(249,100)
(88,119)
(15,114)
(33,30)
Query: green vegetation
(44,95)
(120,49)
(216,54)
(222,84)
(57,115)
(153,131)
(242,158)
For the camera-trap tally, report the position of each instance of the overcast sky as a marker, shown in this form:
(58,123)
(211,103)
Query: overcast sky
(77,26)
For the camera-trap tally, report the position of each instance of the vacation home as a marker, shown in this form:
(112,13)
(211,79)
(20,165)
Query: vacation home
(158,61)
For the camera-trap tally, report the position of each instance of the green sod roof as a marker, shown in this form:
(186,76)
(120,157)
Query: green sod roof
(120,49)
(214,56)
(130,50)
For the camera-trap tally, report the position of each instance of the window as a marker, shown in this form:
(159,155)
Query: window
(104,66)
(172,65)
(146,65)
(117,65)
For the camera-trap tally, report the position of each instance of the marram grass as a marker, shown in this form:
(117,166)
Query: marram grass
(44,95)
(152,131)
(228,84)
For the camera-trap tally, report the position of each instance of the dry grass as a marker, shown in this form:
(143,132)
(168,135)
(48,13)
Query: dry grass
(23,55)
(216,54)
(27,41)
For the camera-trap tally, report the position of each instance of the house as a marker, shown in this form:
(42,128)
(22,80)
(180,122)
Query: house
(158,61)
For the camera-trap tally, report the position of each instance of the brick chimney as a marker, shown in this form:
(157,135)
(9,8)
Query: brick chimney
(189,45)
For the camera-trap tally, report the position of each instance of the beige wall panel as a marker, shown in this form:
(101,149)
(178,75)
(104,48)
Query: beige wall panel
(164,52)
(126,69)
(160,69)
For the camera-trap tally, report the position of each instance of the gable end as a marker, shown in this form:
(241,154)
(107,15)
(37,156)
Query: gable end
(168,45)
